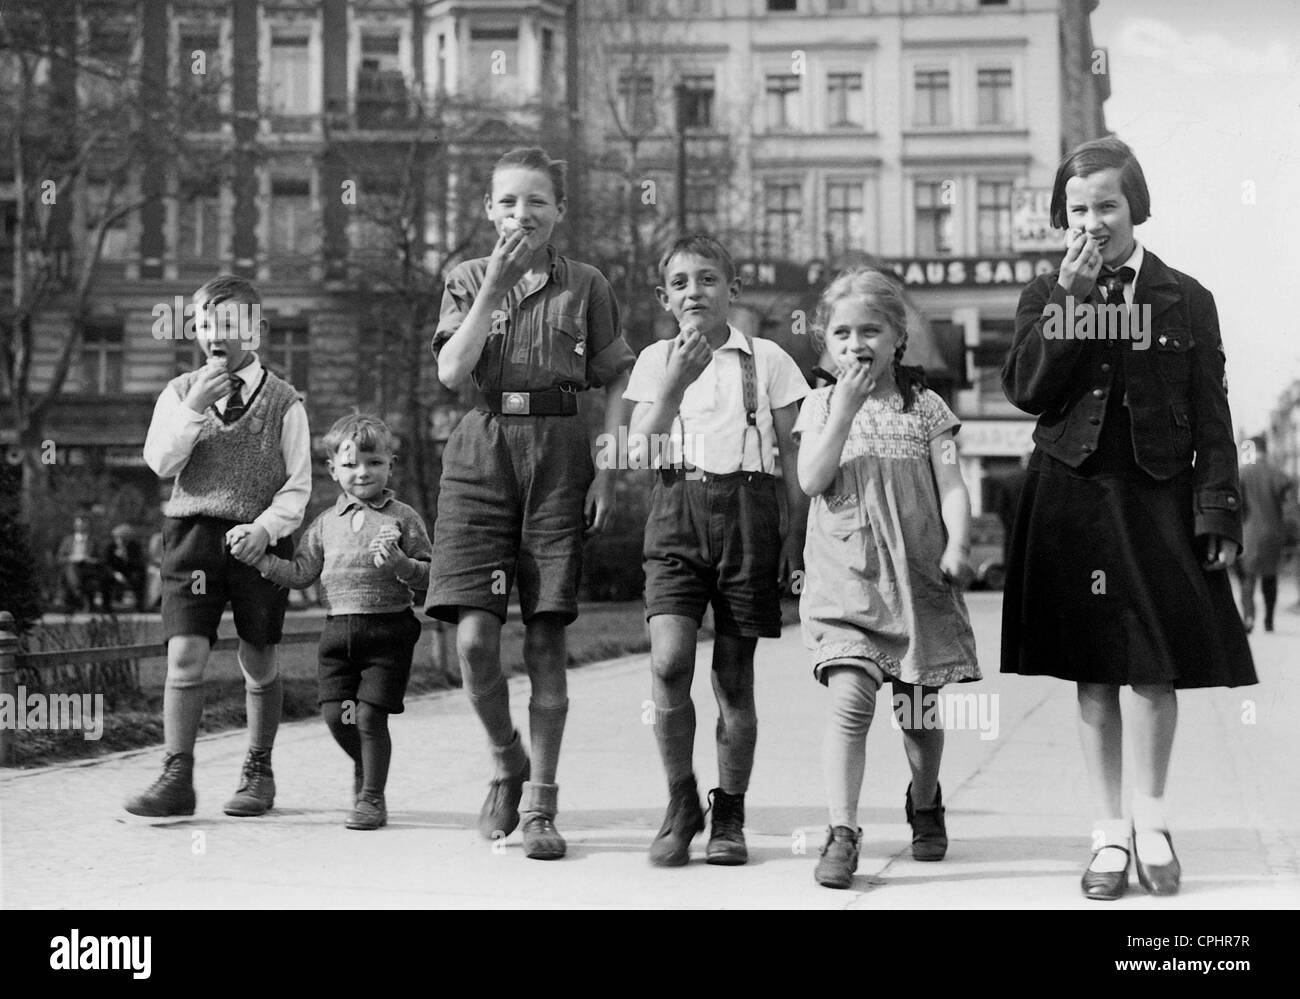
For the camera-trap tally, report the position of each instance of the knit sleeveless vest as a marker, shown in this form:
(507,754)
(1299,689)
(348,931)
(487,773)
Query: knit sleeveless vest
(235,469)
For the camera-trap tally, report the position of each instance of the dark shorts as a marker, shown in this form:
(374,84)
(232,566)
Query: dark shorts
(510,509)
(199,577)
(367,657)
(716,539)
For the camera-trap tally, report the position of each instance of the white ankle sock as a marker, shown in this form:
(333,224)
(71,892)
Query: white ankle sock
(1109,832)
(1148,824)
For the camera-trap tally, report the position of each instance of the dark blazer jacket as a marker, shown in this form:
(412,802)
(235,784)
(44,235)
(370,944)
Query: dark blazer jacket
(1177,393)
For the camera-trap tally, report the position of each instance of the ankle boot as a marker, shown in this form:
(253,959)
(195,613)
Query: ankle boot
(929,834)
(499,815)
(172,793)
(727,835)
(542,841)
(256,794)
(685,820)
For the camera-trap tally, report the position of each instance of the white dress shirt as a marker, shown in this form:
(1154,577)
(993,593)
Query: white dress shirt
(175,427)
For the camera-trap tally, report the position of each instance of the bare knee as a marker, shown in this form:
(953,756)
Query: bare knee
(187,656)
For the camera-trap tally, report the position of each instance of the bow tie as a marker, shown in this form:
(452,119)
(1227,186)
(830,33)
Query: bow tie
(1112,281)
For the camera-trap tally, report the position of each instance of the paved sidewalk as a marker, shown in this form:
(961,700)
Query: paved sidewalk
(1017,808)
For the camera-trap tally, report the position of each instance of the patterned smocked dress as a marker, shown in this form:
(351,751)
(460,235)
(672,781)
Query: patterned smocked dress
(873,588)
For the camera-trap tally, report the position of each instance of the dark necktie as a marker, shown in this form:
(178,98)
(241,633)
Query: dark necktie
(1112,282)
(235,403)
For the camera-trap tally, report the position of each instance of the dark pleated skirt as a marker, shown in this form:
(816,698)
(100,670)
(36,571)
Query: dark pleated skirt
(1104,585)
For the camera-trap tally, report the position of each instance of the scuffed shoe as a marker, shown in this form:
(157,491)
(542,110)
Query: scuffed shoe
(369,812)
(727,832)
(684,821)
(256,794)
(839,857)
(172,793)
(929,834)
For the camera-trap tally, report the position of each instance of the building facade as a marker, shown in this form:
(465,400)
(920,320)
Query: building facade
(334,123)
(922,134)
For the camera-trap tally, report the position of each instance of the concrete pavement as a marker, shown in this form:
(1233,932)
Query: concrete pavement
(1017,807)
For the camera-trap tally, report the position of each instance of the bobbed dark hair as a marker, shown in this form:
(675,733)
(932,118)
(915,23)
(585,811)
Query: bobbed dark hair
(1092,157)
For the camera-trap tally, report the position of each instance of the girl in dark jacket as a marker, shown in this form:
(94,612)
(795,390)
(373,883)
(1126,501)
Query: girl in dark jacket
(1131,510)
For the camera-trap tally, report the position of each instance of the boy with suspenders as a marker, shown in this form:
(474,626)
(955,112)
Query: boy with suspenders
(714,534)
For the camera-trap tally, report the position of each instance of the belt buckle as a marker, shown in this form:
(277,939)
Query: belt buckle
(515,403)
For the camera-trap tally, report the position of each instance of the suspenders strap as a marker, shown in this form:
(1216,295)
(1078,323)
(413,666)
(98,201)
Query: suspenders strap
(749,390)
(749,393)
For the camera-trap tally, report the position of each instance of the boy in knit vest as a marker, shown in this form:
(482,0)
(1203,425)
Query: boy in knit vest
(235,437)
(371,553)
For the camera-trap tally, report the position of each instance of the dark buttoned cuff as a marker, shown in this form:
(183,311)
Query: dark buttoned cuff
(1218,511)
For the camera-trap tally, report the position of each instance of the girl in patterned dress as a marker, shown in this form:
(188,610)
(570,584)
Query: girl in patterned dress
(886,558)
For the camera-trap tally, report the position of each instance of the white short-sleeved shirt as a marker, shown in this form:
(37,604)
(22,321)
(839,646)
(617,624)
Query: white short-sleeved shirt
(713,406)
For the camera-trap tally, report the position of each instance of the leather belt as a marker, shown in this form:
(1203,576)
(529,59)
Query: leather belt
(553,402)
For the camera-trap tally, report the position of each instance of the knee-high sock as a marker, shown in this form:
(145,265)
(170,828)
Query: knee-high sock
(844,749)
(675,734)
(182,712)
(737,735)
(545,732)
(492,705)
(376,746)
(264,702)
(922,739)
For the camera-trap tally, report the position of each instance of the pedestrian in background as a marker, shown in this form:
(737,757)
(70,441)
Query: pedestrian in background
(1265,492)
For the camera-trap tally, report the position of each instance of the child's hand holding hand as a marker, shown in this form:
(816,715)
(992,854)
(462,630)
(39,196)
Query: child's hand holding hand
(688,356)
(248,542)
(955,566)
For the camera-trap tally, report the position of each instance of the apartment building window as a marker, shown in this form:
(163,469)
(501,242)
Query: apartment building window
(933,97)
(494,62)
(844,95)
(550,84)
(381,85)
(782,5)
(636,94)
(994,91)
(844,216)
(782,211)
(290,75)
(933,220)
(699,100)
(198,74)
(442,63)
(993,216)
(101,357)
(701,207)
(293,225)
(8,232)
(117,235)
(198,222)
(782,101)
(188,355)
(286,352)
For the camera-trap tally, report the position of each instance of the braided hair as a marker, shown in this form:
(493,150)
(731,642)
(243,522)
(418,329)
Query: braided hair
(881,292)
